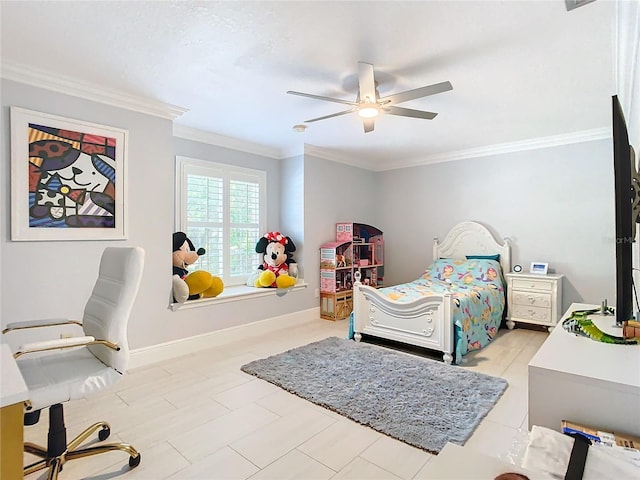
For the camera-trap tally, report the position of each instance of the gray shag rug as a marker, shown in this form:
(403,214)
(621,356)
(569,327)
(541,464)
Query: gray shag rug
(422,402)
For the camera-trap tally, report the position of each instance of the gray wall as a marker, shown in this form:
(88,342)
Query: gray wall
(333,192)
(54,279)
(292,206)
(556,204)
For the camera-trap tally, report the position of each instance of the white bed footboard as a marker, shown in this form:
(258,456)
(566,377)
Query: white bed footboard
(425,322)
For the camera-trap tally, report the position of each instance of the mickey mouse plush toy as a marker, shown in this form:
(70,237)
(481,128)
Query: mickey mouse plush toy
(277,250)
(194,285)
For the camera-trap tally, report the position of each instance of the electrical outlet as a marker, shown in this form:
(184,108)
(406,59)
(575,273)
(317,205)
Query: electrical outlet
(317,293)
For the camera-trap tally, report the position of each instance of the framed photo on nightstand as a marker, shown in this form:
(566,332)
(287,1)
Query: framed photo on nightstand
(539,267)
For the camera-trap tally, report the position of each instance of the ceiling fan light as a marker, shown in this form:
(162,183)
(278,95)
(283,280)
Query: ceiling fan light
(368,110)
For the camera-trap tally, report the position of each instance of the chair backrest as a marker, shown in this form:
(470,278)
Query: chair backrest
(107,311)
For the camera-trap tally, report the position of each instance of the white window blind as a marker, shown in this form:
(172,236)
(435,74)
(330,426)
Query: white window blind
(222,209)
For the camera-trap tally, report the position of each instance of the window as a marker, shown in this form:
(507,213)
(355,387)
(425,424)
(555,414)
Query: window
(222,208)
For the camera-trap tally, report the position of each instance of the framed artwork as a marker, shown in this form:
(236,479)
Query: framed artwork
(68,179)
(539,267)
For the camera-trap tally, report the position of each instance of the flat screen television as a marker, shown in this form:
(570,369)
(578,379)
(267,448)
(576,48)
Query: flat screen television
(624,195)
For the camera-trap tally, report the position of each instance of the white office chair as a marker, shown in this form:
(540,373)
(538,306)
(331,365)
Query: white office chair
(80,366)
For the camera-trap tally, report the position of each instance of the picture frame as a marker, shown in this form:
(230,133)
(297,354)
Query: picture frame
(68,178)
(540,268)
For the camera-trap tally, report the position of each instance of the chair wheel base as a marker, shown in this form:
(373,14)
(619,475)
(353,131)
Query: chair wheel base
(58,451)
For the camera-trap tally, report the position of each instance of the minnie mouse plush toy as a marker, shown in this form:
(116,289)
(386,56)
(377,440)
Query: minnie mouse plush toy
(278,262)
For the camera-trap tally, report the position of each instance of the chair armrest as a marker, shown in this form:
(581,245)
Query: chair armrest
(54,345)
(62,343)
(50,322)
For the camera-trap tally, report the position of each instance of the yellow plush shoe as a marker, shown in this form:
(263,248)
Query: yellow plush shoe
(198,281)
(265,279)
(285,281)
(217,285)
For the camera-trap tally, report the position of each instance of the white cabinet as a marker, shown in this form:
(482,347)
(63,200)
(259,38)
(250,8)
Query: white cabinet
(584,381)
(534,298)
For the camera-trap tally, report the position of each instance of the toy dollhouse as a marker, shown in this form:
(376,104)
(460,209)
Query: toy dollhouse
(357,247)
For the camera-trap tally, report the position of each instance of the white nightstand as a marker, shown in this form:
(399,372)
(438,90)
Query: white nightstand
(534,298)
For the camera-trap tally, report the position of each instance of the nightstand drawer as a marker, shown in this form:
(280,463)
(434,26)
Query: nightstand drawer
(532,284)
(532,299)
(531,313)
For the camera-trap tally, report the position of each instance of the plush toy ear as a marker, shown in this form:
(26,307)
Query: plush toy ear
(261,246)
(289,247)
(178,240)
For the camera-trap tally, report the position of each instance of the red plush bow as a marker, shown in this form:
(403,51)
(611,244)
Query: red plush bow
(276,237)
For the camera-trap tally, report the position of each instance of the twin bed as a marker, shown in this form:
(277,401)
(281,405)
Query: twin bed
(456,305)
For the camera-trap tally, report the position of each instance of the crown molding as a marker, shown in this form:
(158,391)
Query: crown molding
(328,154)
(70,86)
(196,135)
(512,147)
(498,149)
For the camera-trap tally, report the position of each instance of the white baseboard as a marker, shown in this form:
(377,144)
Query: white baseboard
(141,357)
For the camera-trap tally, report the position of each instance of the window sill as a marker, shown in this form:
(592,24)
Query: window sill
(237,293)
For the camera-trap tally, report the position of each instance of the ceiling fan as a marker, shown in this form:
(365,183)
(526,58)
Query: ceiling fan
(369,105)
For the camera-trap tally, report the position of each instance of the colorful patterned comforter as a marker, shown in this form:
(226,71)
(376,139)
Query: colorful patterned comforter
(477,287)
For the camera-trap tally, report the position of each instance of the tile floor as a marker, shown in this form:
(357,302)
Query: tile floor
(200,417)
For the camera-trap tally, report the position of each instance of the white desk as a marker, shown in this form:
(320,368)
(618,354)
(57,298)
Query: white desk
(13,392)
(584,381)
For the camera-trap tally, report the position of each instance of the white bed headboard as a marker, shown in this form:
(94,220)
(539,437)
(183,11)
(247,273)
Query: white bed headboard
(472,238)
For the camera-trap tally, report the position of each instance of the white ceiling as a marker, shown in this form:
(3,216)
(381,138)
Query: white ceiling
(523,72)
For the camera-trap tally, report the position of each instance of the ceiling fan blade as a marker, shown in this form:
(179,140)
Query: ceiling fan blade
(318,97)
(331,116)
(369,123)
(417,93)
(366,82)
(409,112)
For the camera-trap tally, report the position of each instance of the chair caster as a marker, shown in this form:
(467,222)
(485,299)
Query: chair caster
(104,433)
(135,461)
